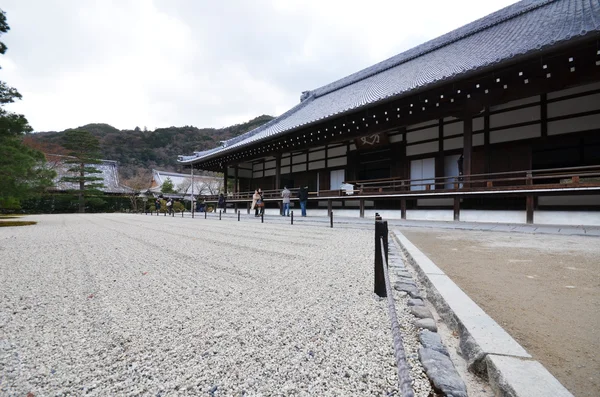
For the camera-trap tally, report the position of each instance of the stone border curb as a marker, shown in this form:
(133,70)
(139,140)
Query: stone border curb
(489,350)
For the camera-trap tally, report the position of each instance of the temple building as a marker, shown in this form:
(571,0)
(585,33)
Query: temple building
(184,185)
(498,120)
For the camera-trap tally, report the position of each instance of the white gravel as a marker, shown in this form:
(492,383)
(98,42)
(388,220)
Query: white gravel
(115,304)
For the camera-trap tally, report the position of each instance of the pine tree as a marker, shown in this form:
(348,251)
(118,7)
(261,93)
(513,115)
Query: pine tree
(22,171)
(84,152)
(167,186)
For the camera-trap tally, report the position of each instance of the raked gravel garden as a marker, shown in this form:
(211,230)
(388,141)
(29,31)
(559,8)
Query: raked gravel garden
(122,304)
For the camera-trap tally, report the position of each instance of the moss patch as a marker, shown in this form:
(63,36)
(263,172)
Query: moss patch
(16,223)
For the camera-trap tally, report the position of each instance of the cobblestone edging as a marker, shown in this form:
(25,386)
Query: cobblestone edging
(433,355)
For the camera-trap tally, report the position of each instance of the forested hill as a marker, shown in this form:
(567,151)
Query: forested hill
(140,150)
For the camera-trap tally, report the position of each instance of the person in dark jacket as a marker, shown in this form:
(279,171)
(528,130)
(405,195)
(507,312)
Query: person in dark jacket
(221,202)
(303,198)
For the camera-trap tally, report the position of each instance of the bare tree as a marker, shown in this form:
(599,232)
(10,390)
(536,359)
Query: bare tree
(139,183)
(203,186)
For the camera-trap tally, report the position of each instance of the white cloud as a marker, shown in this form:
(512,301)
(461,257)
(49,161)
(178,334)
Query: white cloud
(184,62)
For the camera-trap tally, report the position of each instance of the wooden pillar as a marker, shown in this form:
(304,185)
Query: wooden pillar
(403,209)
(529,203)
(529,209)
(439,161)
(486,140)
(225,179)
(277,172)
(235,179)
(362,208)
(544,115)
(467,145)
(457,209)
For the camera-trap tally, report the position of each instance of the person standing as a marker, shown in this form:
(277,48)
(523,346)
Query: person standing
(303,198)
(157,205)
(285,193)
(255,199)
(221,203)
(170,206)
(261,202)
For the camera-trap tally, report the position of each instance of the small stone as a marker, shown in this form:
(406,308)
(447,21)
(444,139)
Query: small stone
(432,340)
(441,372)
(415,302)
(411,289)
(421,312)
(427,323)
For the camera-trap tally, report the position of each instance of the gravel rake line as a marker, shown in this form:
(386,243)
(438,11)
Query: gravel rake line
(404,381)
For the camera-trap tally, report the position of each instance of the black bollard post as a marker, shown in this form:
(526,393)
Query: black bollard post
(262,217)
(219,214)
(165,213)
(182,214)
(381,234)
(238,216)
(205,214)
(292,218)
(331,219)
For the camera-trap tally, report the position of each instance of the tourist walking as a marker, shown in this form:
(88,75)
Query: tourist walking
(303,198)
(157,205)
(170,206)
(285,193)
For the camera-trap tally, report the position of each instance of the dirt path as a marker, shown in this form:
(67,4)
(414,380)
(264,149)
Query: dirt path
(544,290)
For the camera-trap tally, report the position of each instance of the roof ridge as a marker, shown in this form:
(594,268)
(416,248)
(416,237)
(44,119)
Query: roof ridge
(393,62)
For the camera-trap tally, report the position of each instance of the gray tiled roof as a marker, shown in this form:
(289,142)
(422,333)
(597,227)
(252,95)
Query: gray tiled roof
(109,174)
(520,29)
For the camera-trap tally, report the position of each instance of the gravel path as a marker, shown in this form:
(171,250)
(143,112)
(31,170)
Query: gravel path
(137,305)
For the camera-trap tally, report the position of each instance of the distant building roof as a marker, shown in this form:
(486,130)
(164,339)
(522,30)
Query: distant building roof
(109,175)
(183,182)
(517,30)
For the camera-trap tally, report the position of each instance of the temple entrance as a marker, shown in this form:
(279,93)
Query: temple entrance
(374,164)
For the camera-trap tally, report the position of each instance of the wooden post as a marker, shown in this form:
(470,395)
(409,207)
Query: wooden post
(277,172)
(235,181)
(467,147)
(457,209)
(225,180)
(292,218)
(403,208)
(248,207)
(529,209)
(205,212)
(362,208)
(219,214)
(329,207)
(238,215)
(381,232)
(331,219)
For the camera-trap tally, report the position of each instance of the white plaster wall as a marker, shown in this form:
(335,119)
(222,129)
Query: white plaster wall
(493,216)
(570,218)
(515,116)
(588,218)
(422,135)
(573,125)
(315,165)
(421,148)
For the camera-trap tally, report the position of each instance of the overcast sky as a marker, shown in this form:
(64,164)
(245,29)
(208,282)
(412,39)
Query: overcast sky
(205,63)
